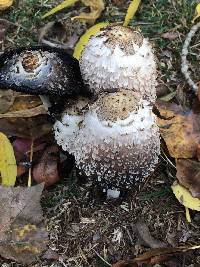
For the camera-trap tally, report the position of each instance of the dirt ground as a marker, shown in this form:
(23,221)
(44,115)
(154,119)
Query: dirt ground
(85,229)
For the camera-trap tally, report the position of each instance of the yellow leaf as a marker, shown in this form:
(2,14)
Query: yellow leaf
(133,7)
(4,4)
(185,198)
(85,38)
(8,167)
(64,4)
(96,7)
(197,13)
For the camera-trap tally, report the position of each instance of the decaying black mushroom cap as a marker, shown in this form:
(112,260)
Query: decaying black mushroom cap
(40,70)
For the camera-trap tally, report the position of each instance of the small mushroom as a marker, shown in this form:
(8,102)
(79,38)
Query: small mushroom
(119,57)
(40,70)
(116,141)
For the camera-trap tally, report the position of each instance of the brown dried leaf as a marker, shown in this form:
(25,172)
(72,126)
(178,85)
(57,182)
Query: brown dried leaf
(25,118)
(47,169)
(23,236)
(180,129)
(170,35)
(4,25)
(26,128)
(146,237)
(154,256)
(188,174)
(26,113)
(7,98)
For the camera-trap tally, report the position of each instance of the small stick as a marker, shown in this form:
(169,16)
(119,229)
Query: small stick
(184,63)
(31,159)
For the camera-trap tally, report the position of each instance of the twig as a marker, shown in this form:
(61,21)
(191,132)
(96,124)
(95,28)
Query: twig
(101,257)
(31,159)
(184,63)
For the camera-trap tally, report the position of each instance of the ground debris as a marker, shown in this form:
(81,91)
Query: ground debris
(23,236)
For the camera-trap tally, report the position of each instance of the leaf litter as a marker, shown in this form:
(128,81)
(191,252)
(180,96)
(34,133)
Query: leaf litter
(91,239)
(23,235)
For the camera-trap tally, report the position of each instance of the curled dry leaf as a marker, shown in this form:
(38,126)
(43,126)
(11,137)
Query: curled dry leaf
(47,169)
(188,174)
(180,129)
(25,118)
(96,7)
(23,235)
(4,4)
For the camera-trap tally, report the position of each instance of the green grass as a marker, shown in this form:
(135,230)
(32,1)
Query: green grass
(159,15)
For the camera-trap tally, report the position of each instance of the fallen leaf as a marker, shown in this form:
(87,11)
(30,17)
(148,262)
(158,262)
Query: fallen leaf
(146,237)
(96,7)
(170,35)
(47,169)
(5,4)
(8,167)
(197,13)
(133,7)
(26,127)
(179,128)
(188,174)
(25,118)
(26,113)
(64,4)
(23,236)
(154,256)
(22,147)
(85,38)
(7,98)
(185,198)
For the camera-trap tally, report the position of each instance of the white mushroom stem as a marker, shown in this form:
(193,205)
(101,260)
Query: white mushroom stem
(45,101)
(113,193)
(184,64)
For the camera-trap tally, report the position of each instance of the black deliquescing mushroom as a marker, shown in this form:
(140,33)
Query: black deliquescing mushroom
(45,71)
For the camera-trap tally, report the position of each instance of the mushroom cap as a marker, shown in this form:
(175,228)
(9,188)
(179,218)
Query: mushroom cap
(119,57)
(118,141)
(66,129)
(40,70)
